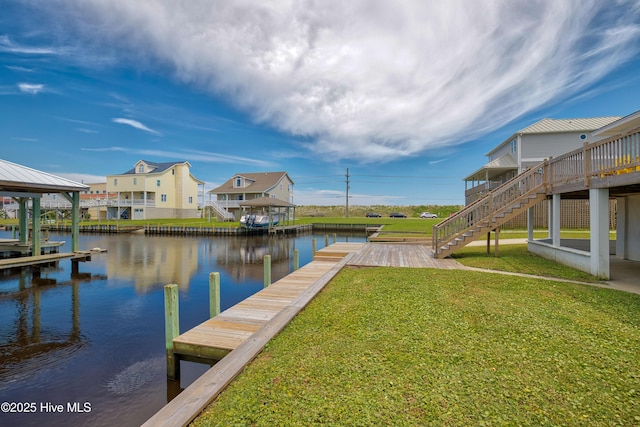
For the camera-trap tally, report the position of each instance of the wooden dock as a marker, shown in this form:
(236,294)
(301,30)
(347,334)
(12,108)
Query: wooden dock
(242,331)
(27,261)
(216,337)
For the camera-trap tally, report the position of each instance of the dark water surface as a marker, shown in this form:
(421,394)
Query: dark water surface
(88,349)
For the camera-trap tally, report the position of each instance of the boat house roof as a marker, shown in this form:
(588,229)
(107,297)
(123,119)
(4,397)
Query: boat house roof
(21,179)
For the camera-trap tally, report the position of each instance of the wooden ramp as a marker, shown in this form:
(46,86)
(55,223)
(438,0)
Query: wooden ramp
(42,259)
(216,337)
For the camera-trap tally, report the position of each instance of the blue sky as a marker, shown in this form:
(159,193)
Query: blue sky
(409,96)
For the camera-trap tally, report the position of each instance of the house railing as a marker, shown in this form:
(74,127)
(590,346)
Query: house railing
(614,156)
(604,163)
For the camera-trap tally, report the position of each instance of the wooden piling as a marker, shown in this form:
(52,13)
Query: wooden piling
(214,294)
(296,259)
(326,240)
(172,328)
(313,247)
(267,270)
(335,238)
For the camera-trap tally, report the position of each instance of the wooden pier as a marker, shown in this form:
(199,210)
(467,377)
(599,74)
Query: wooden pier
(216,337)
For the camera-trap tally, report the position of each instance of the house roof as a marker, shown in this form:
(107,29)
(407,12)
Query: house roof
(560,126)
(18,178)
(622,125)
(262,202)
(494,168)
(158,167)
(262,182)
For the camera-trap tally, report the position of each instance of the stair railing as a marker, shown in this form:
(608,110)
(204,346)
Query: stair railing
(483,210)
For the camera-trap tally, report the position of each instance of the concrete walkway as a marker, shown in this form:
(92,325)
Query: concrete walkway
(625,274)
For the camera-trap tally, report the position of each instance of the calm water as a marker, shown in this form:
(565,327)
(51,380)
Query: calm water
(94,341)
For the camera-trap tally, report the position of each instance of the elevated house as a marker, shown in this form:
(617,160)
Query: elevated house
(604,167)
(226,199)
(154,190)
(526,148)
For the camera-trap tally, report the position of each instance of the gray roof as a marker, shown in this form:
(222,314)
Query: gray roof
(261,182)
(158,167)
(18,178)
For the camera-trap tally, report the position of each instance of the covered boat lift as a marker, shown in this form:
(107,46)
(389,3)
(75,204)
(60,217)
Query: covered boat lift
(272,206)
(24,184)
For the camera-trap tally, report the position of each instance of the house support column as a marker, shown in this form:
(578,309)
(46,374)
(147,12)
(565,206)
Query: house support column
(23,225)
(622,227)
(599,224)
(75,220)
(555,220)
(530,221)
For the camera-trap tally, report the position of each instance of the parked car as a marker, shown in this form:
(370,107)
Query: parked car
(428,215)
(373,215)
(397,215)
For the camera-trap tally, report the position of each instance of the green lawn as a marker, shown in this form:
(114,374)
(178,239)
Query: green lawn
(407,347)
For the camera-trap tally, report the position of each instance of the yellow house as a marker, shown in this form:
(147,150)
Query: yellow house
(154,190)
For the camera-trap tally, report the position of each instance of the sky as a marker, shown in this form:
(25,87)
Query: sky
(407,96)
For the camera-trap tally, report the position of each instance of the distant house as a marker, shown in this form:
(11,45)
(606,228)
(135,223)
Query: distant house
(528,147)
(154,190)
(225,199)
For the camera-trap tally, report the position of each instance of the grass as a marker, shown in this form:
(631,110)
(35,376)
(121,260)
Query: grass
(443,347)
(516,259)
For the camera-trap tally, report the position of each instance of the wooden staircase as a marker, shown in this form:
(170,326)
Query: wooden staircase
(491,211)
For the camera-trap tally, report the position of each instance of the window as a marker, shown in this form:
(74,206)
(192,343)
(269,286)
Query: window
(158,183)
(115,182)
(163,197)
(141,169)
(514,145)
(238,182)
(135,181)
(190,199)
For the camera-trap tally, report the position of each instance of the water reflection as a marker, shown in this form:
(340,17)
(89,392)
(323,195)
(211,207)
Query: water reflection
(94,332)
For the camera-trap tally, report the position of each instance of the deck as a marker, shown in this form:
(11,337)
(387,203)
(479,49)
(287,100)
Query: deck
(400,255)
(26,261)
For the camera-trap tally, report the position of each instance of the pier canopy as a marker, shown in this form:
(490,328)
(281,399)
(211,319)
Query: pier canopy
(23,184)
(271,206)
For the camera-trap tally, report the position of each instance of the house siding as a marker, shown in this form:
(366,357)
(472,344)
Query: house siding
(536,148)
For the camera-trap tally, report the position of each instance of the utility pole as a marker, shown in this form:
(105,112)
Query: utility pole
(347,201)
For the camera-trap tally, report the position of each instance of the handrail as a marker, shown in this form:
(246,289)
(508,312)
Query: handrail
(485,207)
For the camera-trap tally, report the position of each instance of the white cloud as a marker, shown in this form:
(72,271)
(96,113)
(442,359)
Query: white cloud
(83,177)
(375,80)
(30,88)
(8,45)
(136,124)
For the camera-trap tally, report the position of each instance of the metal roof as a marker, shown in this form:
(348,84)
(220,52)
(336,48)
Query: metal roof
(625,124)
(18,178)
(559,126)
(494,168)
(568,125)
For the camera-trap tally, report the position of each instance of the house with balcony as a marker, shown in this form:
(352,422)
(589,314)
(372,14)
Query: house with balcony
(604,168)
(527,147)
(153,190)
(225,200)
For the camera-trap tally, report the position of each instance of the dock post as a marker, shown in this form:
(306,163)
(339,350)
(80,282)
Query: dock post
(335,238)
(214,294)
(267,270)
(172,328)
(326,240)
(296,259)
(313,247)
